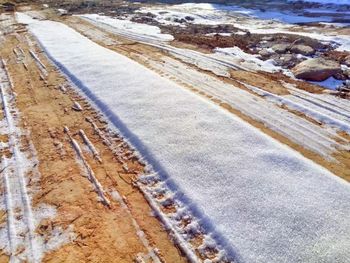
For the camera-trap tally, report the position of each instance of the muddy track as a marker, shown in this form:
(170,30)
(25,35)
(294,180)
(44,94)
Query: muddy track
(20,219)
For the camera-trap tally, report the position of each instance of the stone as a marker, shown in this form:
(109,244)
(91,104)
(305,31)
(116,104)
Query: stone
(347,61)
(316,69)
(280,48)
(264,53)
(302,49)
(347,73)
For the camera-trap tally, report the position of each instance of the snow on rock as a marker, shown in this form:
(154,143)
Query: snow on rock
(267,202)
(214,14)
(342,42)
(132,27)
(62,11)
(248,61)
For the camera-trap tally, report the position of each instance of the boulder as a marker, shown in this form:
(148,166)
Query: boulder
(316,69)
(287,60)
(280,48)
(302,49)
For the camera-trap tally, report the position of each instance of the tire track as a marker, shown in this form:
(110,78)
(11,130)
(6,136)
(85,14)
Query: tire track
(20,214)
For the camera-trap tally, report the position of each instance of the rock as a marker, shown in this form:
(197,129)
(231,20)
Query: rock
(264,53)
(316,69)
(346,72)
(268,38)
(287,60)
(302,49)
(298,41)
(149,14)
(340,76)
(287,57)
(179,20)
(347,61)
(76,106)
(347,84)
(189,18)
(280,48)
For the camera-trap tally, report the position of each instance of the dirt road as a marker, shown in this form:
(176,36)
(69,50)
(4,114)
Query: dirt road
(85,175)
(79,199)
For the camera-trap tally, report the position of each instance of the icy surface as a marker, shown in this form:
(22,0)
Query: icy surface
(268,202)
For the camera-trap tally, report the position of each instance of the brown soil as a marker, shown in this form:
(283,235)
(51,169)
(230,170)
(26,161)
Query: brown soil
(103,234)
(197,35)
(3,257)
(336,55)
(267,82)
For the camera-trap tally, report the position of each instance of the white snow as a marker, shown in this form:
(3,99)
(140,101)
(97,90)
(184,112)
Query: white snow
(213,14)
(247,60)
(203,61)
(299,130)
(317,111)
(131,27)
(267,202)
(255,21)
(320,139)
(254,27)
(330,83)
(62,11)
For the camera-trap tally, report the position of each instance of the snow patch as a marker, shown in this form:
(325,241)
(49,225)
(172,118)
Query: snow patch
(330,83)
(132,27)
(249,61)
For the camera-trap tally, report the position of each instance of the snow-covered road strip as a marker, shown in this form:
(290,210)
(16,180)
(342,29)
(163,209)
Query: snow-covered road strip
(268,202)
